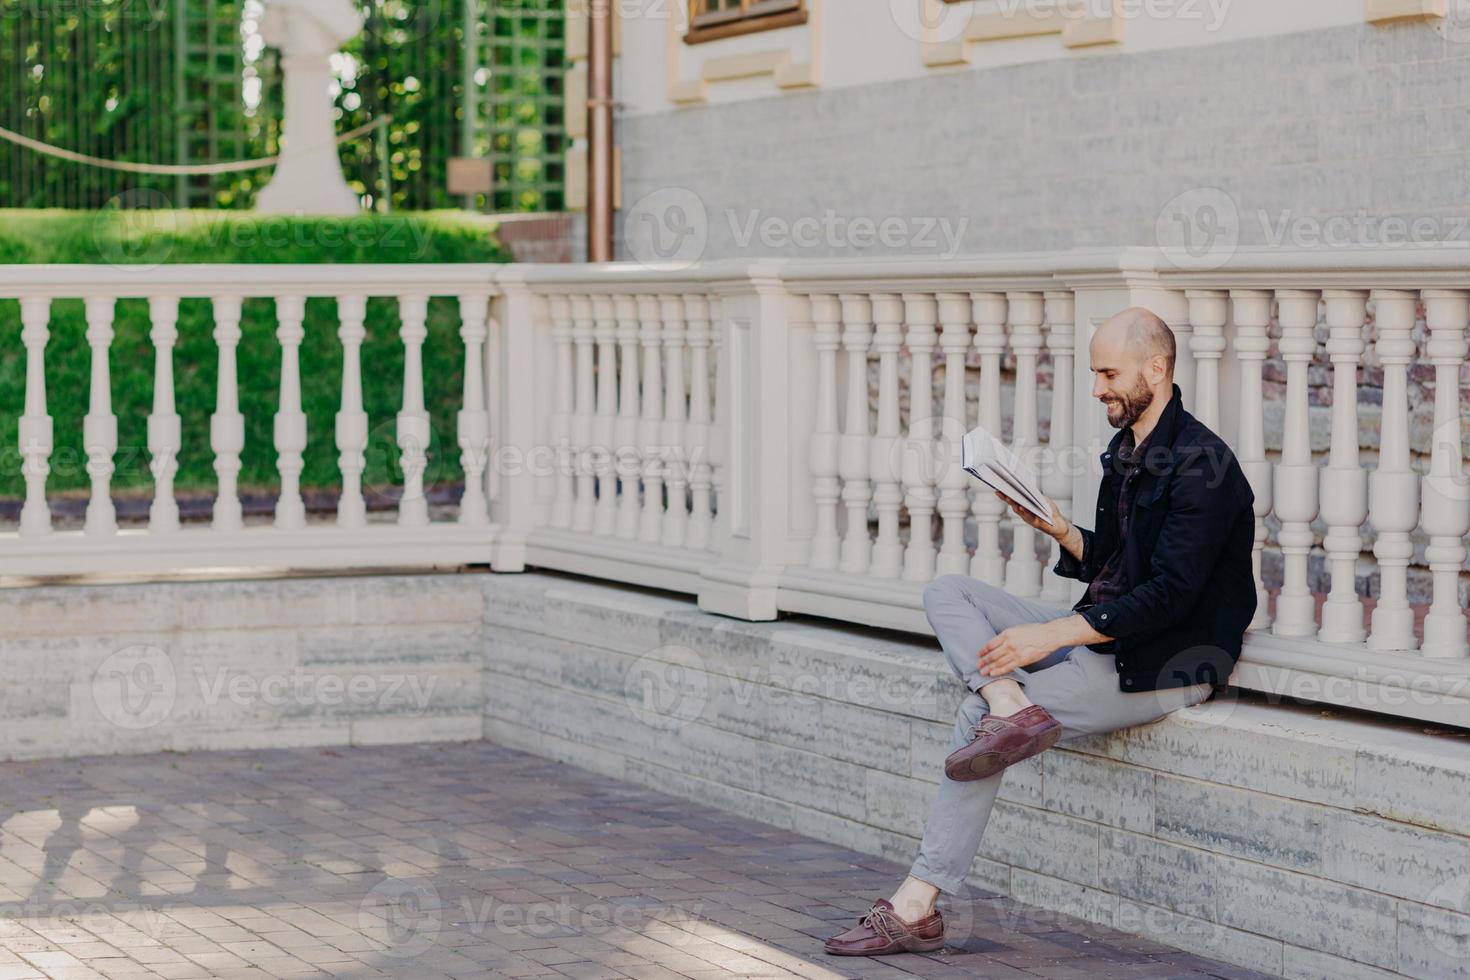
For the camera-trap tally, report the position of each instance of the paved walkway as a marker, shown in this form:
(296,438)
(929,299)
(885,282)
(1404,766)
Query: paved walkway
(455,860)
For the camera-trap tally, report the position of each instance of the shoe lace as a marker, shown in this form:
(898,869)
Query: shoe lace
(883,922)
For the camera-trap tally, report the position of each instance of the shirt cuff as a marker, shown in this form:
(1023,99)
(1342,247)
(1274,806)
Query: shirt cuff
(1100,618)
(1069,567)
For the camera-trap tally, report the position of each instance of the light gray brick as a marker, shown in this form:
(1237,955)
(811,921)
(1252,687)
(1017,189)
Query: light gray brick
(1100,790)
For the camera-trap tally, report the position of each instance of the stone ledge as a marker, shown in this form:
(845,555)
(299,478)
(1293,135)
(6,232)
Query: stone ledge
(1283,839)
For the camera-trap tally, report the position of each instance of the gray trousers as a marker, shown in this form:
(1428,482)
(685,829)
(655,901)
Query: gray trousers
(1078,686)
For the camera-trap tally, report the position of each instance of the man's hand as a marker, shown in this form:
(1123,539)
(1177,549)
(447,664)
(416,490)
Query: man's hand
(1023,645)
(1059,528)
(1018,646)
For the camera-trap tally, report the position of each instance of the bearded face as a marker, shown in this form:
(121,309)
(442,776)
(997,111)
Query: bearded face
(1126,407)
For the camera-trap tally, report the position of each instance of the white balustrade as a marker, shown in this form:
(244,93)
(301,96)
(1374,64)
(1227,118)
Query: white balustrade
(954,482)
(1393,488)
(1056,480)
(36,440)
(854,459)
(1252,313)
(650,420)
(1023,570)
(1345,483)
(826,314)
(989,311)
(472,424)
(1445,500)
(883,447)
(290,420)
(227,425)
(1296,475)
(657,470)
(675,530)
(165,434)
(99,427)
(352,421)
(918,461)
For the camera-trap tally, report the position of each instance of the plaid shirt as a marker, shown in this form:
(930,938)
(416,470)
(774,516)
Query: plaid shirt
(1108,584)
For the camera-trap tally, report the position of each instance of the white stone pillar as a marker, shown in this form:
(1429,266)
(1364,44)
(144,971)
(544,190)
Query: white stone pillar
(1445,491)
(1345,485)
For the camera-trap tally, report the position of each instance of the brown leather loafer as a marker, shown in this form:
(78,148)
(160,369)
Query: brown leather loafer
(881,932)
(1001,742)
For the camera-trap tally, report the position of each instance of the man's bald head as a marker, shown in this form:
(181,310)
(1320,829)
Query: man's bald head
(1142,335)
(1133,360)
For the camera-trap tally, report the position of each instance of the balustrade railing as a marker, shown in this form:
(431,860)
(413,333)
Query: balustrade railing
(783,435)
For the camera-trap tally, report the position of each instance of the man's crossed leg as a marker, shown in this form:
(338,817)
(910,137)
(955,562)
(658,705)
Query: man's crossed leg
(1078,687)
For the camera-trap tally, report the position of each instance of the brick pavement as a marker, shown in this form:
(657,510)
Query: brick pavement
(457,860)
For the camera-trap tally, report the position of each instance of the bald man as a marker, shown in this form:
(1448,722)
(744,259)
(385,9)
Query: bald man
(1170,593)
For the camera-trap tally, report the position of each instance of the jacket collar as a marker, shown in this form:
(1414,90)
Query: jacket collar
(1159,453)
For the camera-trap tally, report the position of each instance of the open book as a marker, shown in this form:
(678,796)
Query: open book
(987,459)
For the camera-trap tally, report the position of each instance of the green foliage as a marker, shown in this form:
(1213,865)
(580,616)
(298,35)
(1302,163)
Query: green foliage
(71,237)
(158,82)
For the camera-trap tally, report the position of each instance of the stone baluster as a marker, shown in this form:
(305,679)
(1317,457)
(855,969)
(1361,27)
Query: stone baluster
(698,430)
(290,420)
(563,408)
(1207,314)
(582,428)
(826,486)
(954,482)
(99,427)
(351,431)
(605,416)
(887,554)
(857,334)
(1345,484)
(721,407)
(36,434)
(919,460)
(1023,570)
(1056,480)
(1393,488)
(165,432)
(413,420)
(1296,475)
(1445,492)
(989,312)
(227,425)
(675,529)
(627,453)
(1252,314)
(650,421)
(473,422)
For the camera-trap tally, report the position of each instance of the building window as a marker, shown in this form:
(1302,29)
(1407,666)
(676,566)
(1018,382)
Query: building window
(710,20)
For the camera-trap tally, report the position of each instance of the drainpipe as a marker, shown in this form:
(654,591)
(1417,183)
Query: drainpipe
(600,134)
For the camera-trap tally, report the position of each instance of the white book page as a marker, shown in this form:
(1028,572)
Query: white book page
(989,461)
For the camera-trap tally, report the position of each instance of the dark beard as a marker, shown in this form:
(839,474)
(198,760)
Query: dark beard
(1133,403)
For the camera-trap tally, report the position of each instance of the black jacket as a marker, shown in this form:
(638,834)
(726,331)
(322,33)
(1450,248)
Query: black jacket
(1186,560)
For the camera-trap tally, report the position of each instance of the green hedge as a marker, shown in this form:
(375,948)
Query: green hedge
(174,237)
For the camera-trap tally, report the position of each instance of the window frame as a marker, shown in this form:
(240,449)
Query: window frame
(751,16)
